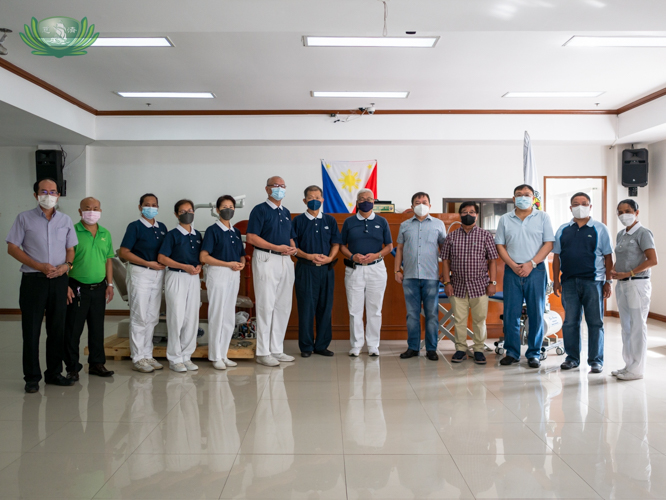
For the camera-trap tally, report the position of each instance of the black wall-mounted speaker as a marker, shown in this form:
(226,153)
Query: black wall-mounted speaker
(49,164)
(635,167)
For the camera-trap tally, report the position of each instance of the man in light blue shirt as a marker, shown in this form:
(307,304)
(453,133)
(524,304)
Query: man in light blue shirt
(419,242)
(524,239)
(584,253)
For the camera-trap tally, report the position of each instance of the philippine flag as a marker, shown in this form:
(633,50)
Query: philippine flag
(341,181)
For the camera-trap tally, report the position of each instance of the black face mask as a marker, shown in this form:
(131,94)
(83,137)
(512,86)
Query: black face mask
(468,220)
(186,218)
(226,213)
(366,206)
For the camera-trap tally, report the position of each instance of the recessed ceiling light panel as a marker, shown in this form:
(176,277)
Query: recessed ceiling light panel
(132,42)
(364,95)
(169,95)
(616,41)
(554,94)
(423,42)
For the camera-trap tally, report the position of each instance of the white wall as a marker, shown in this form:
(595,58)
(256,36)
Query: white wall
(657,189)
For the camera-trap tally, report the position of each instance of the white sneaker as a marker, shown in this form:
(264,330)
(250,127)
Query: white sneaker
(191,367)
(285,358)
(219,365)
(615,373)
(355,352)
(267,361)
(229,363)
(629,376)
(153,362)
(143,366)
(373,351)
(178,367)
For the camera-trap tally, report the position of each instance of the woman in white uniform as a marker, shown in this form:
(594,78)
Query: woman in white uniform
(145,281)
(635,255)
(182,288)
(223,253)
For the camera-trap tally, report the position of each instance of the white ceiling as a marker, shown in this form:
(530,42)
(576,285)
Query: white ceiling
(20,128)
(250,54)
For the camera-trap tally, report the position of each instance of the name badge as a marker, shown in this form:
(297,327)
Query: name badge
(377,227)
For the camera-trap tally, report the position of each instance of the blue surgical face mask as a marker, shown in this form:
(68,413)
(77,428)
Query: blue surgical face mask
(149,212)
(314,204)
(278,193)
(524,202)
(366,206)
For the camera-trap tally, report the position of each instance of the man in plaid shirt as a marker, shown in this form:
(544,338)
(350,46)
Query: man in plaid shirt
(468,274)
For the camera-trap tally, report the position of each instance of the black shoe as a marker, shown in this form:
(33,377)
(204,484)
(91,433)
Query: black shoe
(409,353)
(100,370)
(459,357)
(73,376)
(568,365)
(306,354)
(31,387)
(59,380)
(432,355)
(533,363)
(508,360)
(325,352)
(596,368)
(479,358)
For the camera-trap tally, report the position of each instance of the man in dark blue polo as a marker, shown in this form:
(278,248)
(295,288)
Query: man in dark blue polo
(318,240)
(43,240)
(584,253)
(269,232)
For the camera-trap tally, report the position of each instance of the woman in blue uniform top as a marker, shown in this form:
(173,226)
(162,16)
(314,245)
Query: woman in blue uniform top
(145,280)
(223,253)
(182,288)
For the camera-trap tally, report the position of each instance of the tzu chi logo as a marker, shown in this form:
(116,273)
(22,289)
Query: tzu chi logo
(59,36)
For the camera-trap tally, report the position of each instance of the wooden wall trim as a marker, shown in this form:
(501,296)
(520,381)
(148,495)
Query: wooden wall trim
(612,314)
(657,317)
(641,101)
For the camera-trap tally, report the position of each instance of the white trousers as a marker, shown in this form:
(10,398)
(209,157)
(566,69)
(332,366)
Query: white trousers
(222,284)
(273,279)
(144,292)
(365,284)
(182,292)
(633,303)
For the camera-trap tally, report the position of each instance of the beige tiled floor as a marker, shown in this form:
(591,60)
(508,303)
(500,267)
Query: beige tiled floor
(338,428)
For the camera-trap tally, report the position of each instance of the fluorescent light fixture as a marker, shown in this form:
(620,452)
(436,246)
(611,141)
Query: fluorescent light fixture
(616,41)
(132,42)
(424,42)
(553,94)
(169,95)
(364,95)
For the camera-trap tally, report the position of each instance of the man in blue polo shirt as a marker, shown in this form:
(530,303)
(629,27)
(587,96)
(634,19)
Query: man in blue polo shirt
(366,240)
(524,238)
(269,232)
(584,253)
(318,240)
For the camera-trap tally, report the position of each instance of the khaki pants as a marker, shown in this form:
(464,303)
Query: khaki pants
(479,307)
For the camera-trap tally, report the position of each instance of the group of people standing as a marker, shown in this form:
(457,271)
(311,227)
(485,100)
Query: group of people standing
(67,273)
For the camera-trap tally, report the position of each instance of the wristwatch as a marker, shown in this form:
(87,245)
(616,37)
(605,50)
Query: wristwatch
(446,283)
(632,273)
(71,266)
(110,285)
(534,264)
(493,282)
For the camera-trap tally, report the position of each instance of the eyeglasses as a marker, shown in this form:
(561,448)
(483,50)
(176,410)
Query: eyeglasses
(467,213)
(283,186)
(371,200)
(50,193)
(181,212)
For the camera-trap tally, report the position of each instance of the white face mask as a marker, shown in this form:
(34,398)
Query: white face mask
(421,210)
(581,211)
(627,219)
(47,201)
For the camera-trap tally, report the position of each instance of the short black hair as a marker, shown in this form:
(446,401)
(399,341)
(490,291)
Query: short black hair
(523,186)
(631,203)
(312,188)
(148,195)
(419,195)
(35,186)
(466,204)
(225,197)
(581,194)
(178,204)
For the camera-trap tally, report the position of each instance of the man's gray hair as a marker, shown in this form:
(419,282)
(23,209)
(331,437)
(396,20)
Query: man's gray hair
(361,192)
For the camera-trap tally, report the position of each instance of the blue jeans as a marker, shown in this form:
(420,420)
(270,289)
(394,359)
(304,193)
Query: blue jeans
(532,291)
(424,292)
(578,296)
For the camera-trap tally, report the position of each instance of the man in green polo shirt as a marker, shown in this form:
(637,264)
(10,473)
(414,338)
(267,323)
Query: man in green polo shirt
(90,289)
